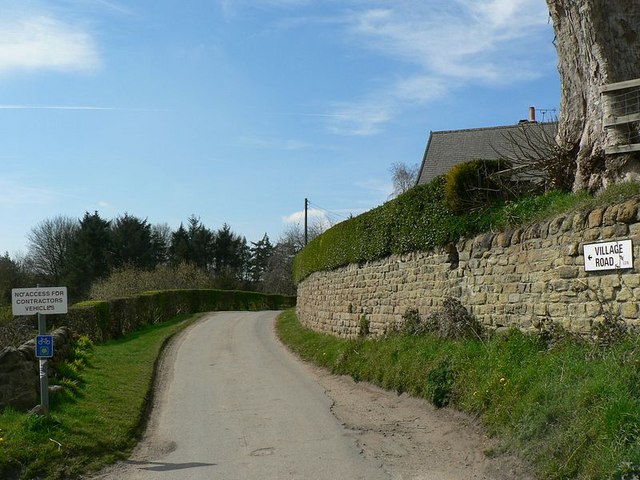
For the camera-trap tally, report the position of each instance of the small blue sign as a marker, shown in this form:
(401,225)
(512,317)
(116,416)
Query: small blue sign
(44,346)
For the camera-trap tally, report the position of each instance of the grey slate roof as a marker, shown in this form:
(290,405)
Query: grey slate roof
(448,148)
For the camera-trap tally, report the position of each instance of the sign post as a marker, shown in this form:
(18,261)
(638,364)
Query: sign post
(41,301)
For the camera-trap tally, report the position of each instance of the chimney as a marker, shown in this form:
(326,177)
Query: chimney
(532,114)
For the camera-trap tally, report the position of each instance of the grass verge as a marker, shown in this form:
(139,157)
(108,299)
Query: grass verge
(573,410)
(96,423)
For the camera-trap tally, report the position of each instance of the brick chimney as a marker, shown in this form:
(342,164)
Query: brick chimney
(532,114)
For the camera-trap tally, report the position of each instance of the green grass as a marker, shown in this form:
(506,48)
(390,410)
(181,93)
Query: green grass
(573,411)
(98,420)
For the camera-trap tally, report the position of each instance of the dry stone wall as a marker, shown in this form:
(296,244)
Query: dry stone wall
(521,278)
(19,370)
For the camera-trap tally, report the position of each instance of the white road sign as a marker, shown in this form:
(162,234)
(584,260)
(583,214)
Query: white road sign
(616,255)
(46,300)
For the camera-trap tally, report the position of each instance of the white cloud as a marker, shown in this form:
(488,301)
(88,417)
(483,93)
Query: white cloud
(369,115)
(42,42)
(444,45)
(14,192)
(441,46)
(363,118)
(313,215)
(114,6)
(381,190)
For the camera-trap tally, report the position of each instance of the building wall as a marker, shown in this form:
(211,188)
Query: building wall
(520,278)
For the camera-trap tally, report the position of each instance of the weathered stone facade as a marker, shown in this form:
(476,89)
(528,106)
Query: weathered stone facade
(523,278)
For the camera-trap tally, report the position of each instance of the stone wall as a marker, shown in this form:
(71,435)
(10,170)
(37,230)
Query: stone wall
(19,371)
(524,278)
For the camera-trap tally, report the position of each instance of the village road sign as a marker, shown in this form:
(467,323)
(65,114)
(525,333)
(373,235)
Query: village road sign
(616,255)
(44,346)
(45,300)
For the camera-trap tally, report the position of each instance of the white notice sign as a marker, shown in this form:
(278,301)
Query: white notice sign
(46,300)
(614,255)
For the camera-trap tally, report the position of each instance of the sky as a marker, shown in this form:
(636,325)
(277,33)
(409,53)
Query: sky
(235,111)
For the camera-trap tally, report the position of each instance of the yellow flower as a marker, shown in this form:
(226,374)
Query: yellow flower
(503,380)
(1,440)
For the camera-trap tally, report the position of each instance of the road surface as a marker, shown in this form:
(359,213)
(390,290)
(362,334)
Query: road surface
(232,403)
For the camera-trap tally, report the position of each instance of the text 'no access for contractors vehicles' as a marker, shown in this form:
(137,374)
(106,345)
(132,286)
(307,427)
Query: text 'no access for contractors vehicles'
(45,300)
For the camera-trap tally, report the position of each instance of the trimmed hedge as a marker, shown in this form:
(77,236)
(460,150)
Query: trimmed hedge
(105,320)
(416,220)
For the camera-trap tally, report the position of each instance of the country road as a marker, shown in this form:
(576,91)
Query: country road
(232,403)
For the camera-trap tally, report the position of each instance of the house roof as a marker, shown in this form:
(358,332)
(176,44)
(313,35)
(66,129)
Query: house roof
(451,147)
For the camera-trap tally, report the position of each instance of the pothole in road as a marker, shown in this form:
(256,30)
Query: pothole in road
(263,452)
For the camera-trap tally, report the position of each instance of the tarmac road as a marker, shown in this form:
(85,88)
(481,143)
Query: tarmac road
(233,403)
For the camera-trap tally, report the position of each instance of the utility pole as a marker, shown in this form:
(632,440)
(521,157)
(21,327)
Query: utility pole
(306,230)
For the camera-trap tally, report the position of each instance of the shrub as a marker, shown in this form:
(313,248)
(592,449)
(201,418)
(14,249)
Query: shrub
(440,382)
(412,323)
(365,324)
(469,185)
(453,321)
(130,280)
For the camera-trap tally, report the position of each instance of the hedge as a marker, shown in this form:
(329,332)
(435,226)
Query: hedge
(105,320)
(416,220)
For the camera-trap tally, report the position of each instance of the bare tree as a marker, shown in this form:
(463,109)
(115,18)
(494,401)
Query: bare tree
(537,161)
(597,43)
(278,276)
(294,233)
(49,244)
(403,177)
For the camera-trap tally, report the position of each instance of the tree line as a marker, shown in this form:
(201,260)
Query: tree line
(77,253)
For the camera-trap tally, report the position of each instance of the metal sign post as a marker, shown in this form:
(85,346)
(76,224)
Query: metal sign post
(29,301)
(44,378)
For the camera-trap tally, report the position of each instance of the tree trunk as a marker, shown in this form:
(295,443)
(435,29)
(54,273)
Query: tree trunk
(598,43)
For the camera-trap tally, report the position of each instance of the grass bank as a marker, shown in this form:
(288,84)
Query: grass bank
(570,408)
(100,417)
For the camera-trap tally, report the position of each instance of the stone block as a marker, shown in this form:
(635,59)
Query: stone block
(629,310)
(566,272)
(628,211)
(540,309)
(615,231)
(557,310)
(573,249)
(595,217)
(624,295)
(555,225)
(610,215)
(580,220)
(592,234)
(631,281)
(610,281)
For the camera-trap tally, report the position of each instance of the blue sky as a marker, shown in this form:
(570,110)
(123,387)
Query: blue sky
(236,110)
